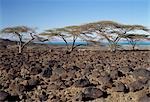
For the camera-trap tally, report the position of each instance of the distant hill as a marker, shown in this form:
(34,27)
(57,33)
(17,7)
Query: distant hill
(7,42)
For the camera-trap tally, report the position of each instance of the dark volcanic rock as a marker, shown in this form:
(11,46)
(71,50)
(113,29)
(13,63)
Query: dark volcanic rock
(114,74)
(125,70)
(54,77)
(79,97)
(35,67)
(43,97)
(21,88)
(53,86)
(41,71)
(14,98)
(91,93)
(145,98)
(47,72)
(83,82)
(73,69)
(57,85)
(59,70)
(3,95)
(137,85)
(3,46)
(148,83)
(68,82)
(141,73)
(32,83)
(106,81)
(35,71)
(16,89)
(56,99)
(120,87)
(52,63)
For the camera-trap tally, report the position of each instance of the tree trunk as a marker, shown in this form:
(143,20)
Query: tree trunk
(133,43)
(73,44)
(133,46)
(20,49)
(65,42)
(20,44)
(112,47)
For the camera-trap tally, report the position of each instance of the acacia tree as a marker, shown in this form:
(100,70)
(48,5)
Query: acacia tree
(20,31)
(106,30)
(69,32)
(132,35)
(58,32)
(133,38)
(113,32)
(75,32)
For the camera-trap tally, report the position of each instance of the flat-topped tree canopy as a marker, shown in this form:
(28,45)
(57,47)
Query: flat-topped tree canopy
(112,31)
(106,24)
(136,36)
(49,34)
(101,26)
(73,30)
(57,32)
(88,28)
(18,30)
(128,28)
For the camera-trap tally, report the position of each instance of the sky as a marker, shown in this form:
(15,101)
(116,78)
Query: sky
(47,14)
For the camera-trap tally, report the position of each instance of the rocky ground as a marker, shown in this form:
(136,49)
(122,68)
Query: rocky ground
(45,73)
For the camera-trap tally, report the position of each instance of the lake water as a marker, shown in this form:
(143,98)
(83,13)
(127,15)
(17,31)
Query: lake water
(142,43)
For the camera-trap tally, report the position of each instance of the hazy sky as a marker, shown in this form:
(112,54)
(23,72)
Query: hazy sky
(45,14)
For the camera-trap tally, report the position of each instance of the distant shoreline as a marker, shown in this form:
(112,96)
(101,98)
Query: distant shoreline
(59,44)
(146,43)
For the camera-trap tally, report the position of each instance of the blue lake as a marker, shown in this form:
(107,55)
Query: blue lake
(144,43)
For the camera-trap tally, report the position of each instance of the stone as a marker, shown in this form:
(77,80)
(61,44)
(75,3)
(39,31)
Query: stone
(125,70)
(59,70)
(20,89)
(145,98)
(87,70)
(106,81)
(3,95)
(47,72)
(16,89)
(148,83)
(33,82)
(141,73)
(120,87)
(35,71)
(43,97)
(78,97)
(114,74)
(61,84)
(52,87)
(24,82)
(35,67)
(136,86)
(51,63)
(83,82)
(3,46)
(91,93)
(73,69)
(68,83)
(54,77)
